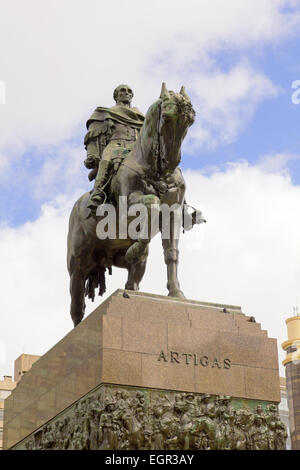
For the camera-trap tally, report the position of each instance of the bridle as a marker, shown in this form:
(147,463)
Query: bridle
(157,151)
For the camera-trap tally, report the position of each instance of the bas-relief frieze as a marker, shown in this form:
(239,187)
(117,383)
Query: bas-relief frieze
(122,418)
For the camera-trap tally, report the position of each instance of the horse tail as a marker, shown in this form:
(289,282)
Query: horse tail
(95,279)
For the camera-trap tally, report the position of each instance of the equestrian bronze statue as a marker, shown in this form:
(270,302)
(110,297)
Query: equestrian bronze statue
(132,159)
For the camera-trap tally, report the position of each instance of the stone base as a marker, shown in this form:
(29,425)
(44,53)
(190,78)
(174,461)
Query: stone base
(150,342)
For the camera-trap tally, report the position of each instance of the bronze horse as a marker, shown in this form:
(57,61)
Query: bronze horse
(149,175)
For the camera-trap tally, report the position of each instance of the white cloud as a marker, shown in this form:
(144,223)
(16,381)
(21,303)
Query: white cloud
(247,254)
(61,59)
(277,162)
(226,102)
(60,169)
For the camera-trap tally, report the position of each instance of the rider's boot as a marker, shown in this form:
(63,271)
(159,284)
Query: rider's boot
(97,196)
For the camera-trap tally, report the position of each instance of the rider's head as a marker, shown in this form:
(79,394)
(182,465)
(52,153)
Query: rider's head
(123,94)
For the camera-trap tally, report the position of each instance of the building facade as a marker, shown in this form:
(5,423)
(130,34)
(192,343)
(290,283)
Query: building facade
(292,372)
(22,364)
(284,410)
(6,386)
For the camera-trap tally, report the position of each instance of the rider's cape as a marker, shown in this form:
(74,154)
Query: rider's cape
(102,120)
(129,116)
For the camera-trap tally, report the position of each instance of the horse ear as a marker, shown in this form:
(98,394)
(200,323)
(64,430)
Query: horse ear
(184,93)
(164,94)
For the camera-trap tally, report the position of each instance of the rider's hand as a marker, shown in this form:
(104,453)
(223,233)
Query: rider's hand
(89,163)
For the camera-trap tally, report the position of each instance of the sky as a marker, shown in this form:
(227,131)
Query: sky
(239,61)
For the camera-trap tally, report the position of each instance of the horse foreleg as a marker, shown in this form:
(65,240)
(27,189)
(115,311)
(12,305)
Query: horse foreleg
(171,256)
(77,286)
(135,273)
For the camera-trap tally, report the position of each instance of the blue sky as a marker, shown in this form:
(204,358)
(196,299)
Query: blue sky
(272,129)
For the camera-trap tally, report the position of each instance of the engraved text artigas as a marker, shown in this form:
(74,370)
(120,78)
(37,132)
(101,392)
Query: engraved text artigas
(203,360)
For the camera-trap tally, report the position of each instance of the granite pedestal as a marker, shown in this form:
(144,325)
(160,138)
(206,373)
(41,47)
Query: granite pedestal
(151,343)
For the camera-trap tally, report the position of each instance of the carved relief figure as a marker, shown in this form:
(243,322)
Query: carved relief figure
(117,419)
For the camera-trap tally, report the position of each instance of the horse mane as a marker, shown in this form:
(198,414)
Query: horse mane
(149,133)
(152,116)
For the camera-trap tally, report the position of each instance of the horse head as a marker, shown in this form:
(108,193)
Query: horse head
(176,115)
(176,106)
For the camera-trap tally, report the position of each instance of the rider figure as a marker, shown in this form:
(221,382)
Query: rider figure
(111,134)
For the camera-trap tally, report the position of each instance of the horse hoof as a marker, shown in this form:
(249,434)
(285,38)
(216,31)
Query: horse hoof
(176,293)
(136,252)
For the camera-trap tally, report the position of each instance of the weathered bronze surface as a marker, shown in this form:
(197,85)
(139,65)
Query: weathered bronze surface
(140,166)
(111,134)
(119,418)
